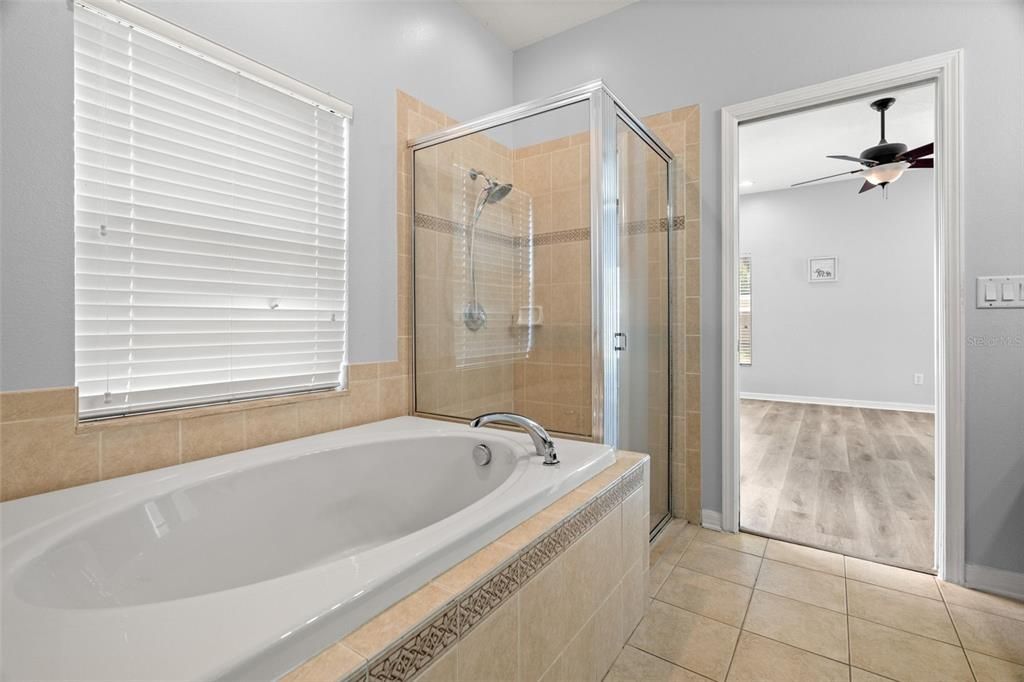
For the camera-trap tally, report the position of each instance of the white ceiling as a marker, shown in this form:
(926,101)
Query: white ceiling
(777,152)
(522,22)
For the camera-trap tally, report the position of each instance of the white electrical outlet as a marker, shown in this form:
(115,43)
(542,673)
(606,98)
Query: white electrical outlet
(919,380)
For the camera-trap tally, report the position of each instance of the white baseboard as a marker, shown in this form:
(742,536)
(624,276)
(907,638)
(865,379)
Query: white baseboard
(997,580)
(839,402)
(711,519)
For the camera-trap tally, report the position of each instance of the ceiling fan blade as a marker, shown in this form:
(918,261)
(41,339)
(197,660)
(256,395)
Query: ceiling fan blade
(923,150)
(923,163)
(866,186)
(835,175)
(844,157)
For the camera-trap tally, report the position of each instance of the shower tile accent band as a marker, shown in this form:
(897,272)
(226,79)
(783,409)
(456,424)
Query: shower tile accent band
(435,224)
(428,640)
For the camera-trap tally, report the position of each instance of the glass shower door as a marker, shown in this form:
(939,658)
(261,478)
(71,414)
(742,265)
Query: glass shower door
(641,344)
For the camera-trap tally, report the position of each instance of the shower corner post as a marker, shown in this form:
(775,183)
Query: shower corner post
(604,249)
(410,149)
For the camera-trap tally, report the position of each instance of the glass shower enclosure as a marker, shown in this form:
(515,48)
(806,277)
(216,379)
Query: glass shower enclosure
(541,273)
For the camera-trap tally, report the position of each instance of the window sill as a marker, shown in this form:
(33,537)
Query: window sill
(96,425)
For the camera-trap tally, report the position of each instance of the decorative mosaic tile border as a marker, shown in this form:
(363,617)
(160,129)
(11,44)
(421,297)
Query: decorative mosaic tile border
(414,652)
(582,234)
(456,229)
(562,237)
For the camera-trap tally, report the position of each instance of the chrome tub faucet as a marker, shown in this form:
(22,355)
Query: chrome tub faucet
(542,442)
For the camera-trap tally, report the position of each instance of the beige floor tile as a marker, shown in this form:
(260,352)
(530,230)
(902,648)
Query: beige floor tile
(982,601)
(901,610)
(806,557)
(989,669)
(904,656)
(687,639)
(808,627)
(657,575)
(990,634)
(759,659)
(706,595)
(727,564)
(803,584)
(670,548)
(741,542)
(633,665)
(858,675)
(894,578)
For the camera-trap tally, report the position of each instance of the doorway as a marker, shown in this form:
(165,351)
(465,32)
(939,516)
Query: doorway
(791,425)
(837,301)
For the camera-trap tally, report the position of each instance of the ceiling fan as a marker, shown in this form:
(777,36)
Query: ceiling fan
(885,162)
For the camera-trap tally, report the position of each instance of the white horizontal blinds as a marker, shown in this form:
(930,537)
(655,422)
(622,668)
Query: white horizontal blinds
(746,336)
(210,229)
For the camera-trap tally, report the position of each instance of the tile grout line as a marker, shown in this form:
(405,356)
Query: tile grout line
(849,638)
(956,630)
(894,589)
(743,623)
(907,632)
(661,658)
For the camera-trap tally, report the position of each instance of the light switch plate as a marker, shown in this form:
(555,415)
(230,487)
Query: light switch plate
(1005,291)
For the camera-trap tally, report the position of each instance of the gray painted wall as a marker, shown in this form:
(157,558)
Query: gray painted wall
(662,55)
(361,51)
(864,336)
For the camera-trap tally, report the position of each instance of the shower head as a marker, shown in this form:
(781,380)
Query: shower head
(493,192)
(496,193)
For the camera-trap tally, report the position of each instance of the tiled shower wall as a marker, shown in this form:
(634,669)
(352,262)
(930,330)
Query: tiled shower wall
(553,384)
(460,372)
(680,130)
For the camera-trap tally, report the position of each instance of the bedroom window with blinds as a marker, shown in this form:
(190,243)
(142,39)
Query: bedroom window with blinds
(211,198)
(745,330)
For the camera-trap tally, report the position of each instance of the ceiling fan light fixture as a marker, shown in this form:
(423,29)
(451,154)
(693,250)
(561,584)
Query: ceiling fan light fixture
(885,173)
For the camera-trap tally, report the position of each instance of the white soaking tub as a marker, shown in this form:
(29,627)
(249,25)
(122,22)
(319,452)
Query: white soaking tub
(244,565)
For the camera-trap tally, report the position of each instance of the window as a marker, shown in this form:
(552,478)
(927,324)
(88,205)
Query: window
(210,221)
(745,330)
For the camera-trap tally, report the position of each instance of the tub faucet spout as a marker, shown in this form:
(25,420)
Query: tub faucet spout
(541,440)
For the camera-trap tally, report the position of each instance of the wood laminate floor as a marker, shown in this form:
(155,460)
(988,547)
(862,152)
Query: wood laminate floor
(855,481)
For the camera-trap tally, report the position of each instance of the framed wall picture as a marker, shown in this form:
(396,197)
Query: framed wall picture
(822,269)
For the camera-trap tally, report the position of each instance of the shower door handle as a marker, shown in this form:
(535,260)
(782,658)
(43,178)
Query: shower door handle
(618,341)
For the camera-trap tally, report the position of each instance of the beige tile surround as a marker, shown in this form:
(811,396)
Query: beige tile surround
(43,447)
(679,129)
(739,607)
(552,599)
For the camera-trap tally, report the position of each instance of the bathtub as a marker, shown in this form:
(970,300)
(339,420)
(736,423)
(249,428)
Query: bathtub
(244,565)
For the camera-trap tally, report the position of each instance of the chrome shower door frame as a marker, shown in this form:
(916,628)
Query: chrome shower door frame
(605,110)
